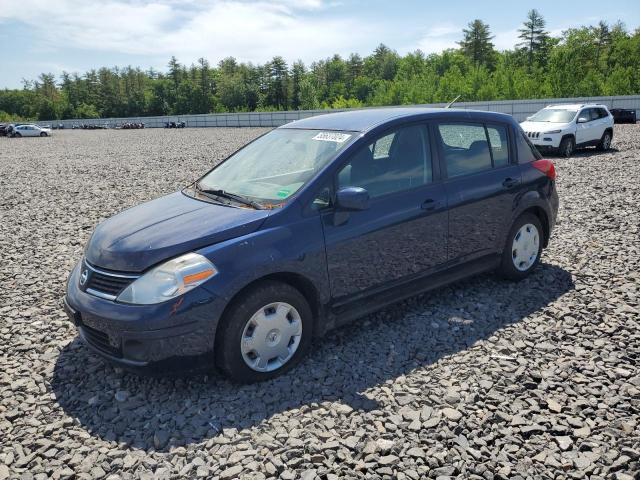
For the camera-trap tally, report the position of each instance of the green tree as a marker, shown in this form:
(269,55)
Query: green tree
(533,35)
(476,43)
(308,95)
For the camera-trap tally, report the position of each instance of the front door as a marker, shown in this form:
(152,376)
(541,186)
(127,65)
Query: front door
(403,232)
(584,130)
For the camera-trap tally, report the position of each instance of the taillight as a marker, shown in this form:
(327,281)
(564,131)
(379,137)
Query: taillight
(546,167)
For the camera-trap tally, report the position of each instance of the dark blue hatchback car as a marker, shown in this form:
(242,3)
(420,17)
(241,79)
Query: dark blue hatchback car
(308,227)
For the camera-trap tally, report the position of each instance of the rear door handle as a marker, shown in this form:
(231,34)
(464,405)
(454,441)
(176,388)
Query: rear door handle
(510,182)
(430,204)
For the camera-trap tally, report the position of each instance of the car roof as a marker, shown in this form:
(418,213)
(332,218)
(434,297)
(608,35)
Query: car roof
(574,106)
(366,119)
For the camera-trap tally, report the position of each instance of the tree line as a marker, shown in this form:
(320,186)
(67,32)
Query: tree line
(587,61)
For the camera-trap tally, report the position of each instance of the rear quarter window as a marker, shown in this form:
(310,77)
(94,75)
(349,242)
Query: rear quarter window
(527,152)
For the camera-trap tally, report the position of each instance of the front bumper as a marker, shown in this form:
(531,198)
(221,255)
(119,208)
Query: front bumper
(547,141)
(174,335)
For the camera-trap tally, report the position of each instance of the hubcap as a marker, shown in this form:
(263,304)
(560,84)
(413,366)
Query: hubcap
(271,337)
(526,244)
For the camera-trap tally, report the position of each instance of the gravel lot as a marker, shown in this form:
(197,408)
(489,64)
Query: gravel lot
(483,379)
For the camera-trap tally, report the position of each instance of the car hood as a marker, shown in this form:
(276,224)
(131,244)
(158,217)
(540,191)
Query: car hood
(147,234)
(542,126)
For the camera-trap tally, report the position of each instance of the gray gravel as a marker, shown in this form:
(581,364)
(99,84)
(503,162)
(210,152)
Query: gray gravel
(482,379)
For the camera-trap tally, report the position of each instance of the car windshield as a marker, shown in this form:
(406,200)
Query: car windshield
(276,165)
(553,115)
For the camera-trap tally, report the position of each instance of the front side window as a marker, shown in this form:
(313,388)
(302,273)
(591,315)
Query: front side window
(586,114)
(465,148)
(276,165)
(394,162)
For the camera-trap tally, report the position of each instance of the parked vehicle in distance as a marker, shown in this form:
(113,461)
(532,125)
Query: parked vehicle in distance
(131,126)
(623,115)
(175,124)
(308,227)
(3,129)
(565,128)
(30,130)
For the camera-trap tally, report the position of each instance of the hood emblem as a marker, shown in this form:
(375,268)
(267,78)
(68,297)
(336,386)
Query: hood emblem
(84,276)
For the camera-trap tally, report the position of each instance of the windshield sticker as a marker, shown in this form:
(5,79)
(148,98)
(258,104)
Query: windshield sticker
(332,137)
(284,193)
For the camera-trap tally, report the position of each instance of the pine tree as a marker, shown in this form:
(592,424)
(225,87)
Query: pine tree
(533,35)
(476,44)
(297,75)
(603,40)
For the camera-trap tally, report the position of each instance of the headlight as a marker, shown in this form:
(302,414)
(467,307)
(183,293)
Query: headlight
(552,131)
(169,280)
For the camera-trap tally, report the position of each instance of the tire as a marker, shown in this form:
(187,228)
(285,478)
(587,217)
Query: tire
(518,261)
(17,135)
(567,147)
(605,141)
(43,134)
(255,313)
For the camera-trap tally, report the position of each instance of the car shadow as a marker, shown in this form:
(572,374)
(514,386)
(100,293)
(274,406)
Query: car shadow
(584,153)
(158,413)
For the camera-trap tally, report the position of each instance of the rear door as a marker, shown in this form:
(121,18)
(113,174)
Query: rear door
(482,182)
(403,233)
(601,122)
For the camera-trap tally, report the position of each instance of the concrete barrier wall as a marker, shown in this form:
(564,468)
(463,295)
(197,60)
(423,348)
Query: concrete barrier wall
(520,109)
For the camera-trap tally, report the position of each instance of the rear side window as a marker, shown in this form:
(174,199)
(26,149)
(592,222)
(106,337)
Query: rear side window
(527,152)
(470,148)
(394,162)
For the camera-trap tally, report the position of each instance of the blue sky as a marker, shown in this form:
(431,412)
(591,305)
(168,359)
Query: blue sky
(77,35)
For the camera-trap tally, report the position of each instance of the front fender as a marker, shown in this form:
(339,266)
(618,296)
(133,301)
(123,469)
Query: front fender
(297,248)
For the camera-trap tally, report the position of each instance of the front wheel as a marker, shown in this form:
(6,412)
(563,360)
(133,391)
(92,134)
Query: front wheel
(265,332)
(523,249)
(43,134)
(17,135)
(567,146)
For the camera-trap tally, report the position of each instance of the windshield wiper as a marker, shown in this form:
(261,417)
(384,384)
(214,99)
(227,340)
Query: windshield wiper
(232,196)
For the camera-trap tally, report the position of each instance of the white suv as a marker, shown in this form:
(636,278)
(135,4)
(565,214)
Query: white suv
(563,128)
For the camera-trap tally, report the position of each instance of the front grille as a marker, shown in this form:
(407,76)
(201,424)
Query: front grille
(99,340)
(106,283)
(533,134)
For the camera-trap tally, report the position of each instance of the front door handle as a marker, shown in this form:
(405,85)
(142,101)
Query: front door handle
(510,182)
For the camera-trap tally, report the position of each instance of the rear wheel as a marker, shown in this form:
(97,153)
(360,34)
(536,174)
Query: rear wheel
(523,249)
(264,333)
(567,147)
(605,141)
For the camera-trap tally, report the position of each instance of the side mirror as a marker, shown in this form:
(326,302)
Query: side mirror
(352,199)
(583,119)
